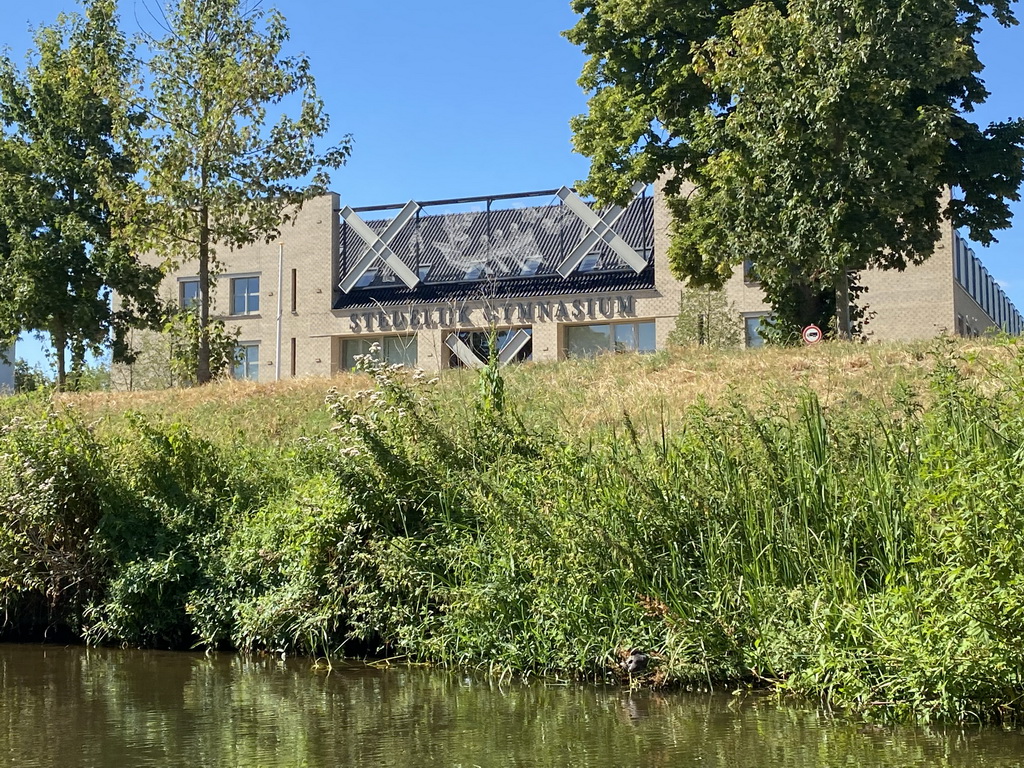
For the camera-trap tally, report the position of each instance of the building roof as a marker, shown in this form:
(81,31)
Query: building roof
(507,252)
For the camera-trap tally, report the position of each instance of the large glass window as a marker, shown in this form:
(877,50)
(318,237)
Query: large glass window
(591,340)
(189,290)
(394,350)
(247,362)
(245,295)
(752,327)
(479,342)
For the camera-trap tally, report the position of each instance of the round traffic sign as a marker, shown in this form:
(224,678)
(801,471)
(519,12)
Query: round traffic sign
(812,334)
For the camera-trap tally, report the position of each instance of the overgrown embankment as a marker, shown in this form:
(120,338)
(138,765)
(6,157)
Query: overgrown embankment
(851,531)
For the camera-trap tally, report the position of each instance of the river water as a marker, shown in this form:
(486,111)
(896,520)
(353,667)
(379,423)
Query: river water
(89,707)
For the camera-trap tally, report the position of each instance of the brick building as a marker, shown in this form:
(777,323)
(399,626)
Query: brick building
(7,355)
(551,276)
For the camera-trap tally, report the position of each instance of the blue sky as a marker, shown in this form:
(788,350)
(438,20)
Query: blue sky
(454,99)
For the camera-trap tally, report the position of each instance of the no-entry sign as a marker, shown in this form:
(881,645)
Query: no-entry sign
(812,334)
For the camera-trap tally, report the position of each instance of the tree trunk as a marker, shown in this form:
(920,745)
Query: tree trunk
(59,339)
(203,361)
(843,305)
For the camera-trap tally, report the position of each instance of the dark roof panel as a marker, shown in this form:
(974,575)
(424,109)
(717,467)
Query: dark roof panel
(496,247)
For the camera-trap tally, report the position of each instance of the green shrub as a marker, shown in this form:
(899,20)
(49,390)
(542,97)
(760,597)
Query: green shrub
(53,481)
(870,555)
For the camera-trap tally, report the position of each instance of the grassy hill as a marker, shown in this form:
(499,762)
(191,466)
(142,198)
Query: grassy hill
(575,395)
(840,521)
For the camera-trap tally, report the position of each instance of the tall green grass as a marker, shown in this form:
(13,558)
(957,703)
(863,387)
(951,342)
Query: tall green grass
(870,555)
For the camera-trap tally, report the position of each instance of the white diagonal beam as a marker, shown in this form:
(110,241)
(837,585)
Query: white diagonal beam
(513,345)
(462,351)
(600,231)
(378,246)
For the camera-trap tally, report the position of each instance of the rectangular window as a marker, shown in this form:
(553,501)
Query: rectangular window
(394,350)
(245,295)
(750,272)
(591,340)
(366,278)
(188,293)
(295,293)
(587,340)
(624,337)
(247,362)
(479,344)
(589,263)
(752,325)
(530,267)
(294,357)
(645,342)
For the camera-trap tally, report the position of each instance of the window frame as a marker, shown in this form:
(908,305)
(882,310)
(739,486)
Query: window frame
(747,317)
(188,281)
(244,363)
(248,296)
(478,339)
(411,342)
(612,334)
(750,272)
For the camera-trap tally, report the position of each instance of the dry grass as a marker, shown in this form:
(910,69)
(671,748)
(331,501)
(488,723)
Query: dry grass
(578,394)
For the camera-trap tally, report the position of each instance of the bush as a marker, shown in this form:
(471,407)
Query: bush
(871,556)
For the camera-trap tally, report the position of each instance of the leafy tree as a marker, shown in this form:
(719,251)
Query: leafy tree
(66,184)
(219,173)
(30,378)
(816,137)
(705,319)
(183,330)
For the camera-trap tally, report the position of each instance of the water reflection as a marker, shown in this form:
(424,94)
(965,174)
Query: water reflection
(85,707)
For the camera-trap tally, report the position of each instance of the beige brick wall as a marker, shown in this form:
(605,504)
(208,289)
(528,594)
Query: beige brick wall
(916,303)
(296,269)
(551,315)
(743,298)
(668,287)
(308,245)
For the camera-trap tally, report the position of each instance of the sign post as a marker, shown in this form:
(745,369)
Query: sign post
(812,334)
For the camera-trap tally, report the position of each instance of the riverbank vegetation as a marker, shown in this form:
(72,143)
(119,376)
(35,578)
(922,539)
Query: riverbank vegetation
(844,522)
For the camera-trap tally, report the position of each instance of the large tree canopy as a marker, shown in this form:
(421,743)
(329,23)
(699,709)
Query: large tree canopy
(814,137)
(221,171)
(67,176)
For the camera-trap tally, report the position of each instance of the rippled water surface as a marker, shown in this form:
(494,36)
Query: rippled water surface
(79,707)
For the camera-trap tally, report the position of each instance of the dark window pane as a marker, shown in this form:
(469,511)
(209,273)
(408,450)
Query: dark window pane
(645,337)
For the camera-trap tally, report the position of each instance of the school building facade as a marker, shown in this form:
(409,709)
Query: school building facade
(544,274)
